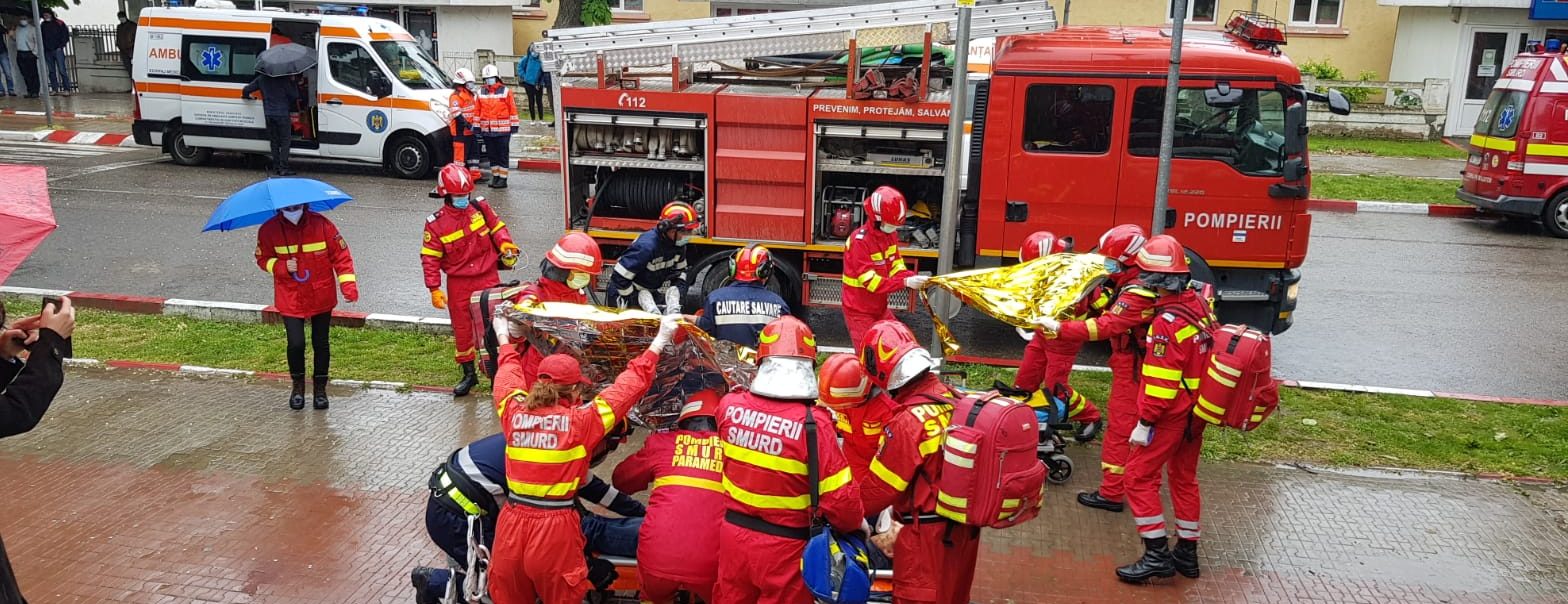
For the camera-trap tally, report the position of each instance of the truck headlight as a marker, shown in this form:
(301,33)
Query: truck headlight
(1292,291)
(441,110)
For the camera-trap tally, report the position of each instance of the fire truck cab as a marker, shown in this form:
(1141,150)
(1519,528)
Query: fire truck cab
(1518,163)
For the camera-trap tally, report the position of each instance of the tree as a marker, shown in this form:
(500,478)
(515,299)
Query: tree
(578,13)
(25,7)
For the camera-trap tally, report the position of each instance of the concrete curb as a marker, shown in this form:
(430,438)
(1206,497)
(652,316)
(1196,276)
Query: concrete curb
(256,313)
(64,114)
(69,137)
(1390,207)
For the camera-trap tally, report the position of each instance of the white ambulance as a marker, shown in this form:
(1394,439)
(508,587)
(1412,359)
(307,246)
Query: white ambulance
(374,95)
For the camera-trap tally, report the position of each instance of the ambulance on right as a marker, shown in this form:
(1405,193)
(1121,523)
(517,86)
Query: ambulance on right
(1518,164)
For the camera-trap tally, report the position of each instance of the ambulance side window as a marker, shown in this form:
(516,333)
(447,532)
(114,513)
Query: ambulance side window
(221,59)
(351,65)
(1068,118)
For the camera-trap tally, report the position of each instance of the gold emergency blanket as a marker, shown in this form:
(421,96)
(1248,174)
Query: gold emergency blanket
(1050,286)
(605,340)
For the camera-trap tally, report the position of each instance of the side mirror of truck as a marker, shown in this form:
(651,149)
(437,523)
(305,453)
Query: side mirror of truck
(1337,103)
(1295,129)
(1222,96)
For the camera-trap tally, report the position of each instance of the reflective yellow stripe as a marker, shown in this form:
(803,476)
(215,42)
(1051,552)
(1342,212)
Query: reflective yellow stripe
(606,412)
(1112,468)
(951,500)
(1076,407)
(1229,383)
(868,280)
(532,455)
(763,460)
(1186,332)
(1209,406)
(892,250)
(951,514)
(899,266)
(458,497)
(1546,150)
(954,460)
(1488,142)
(887,476)
(766,502)
(347,278)
(1159,391)
(1008,504)
(1256,418)
(1094,329)
(834,482)
(476,221)
(1232,371)
(429,252)
(516,393)
(532,489)
(1163,373)
(1205,415)
(1190,383)
(483,232)
(452,236)
(966,447)
(688,481)
(930,445)
(318,246)
(286,249)
(270,263)
(498,226)
(875,257)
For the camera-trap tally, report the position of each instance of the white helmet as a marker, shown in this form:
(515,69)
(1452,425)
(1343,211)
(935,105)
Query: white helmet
(463,76)
(490,71)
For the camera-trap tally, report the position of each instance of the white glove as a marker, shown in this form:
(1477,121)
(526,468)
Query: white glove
(917,281)
(1026,334)
(1049,324)
(503,330)
(1142,435)
(667,327)
(884,521)
(645,300)
(672,301)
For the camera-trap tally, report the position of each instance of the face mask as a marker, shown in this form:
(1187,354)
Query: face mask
(578,280)
(1112,266)
(22,23)
(682,240)
(460,203)
(888,228)
(293,216)
(492,81)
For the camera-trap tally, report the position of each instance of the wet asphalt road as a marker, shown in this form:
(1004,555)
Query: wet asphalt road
(1407,301)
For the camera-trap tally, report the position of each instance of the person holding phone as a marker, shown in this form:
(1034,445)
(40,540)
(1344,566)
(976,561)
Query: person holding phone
(32,359)
(309,261)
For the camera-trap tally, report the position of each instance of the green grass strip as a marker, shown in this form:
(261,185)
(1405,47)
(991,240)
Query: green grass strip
(1384,148)
(1386,188)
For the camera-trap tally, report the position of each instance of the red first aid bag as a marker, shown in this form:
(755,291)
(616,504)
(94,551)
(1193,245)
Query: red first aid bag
(990,476)
(481,308)
(1237,388)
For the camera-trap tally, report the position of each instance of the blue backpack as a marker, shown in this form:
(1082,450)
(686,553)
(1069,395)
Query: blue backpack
(836,567)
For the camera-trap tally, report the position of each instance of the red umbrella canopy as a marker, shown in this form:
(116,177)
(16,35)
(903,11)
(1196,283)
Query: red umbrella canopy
(25,216)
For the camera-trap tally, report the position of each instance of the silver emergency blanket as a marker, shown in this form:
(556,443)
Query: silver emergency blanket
(605,340)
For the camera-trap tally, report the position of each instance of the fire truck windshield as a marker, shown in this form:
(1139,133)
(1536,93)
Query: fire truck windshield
(1248,137)
(1500,115)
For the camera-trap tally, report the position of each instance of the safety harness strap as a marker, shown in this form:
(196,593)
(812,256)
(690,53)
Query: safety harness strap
(747,521)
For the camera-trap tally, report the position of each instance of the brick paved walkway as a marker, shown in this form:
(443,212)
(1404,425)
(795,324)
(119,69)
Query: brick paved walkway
(156,488)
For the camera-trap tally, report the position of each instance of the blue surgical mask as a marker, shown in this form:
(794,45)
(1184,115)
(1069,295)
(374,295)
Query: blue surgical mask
(460,202)
(1112,266)
(682,240)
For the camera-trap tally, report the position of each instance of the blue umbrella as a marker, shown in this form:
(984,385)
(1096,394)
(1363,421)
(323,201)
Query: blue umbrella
(254,204)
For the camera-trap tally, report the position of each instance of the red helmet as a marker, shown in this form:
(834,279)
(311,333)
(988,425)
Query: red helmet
(887,204)
(1043,243)
(786,336)
(1122,242)
(678,215)
(884,346)
(454,180)
(1162,254)
(576,251)
(843,384)
(705,403)
(751,263)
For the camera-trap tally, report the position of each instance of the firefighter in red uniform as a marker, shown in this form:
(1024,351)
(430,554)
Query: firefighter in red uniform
(466,240)
(678,546)
(860,412)
(873,266)
(465,141)
(1166,437)
(564,276)
(933,559)
(549,432)
(1129,313)
(309,262)
(768,517)
(1048,362)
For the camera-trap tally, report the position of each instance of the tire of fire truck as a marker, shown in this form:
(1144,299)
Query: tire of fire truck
(1555,216)
(711,273)
(182,153)
(408,156)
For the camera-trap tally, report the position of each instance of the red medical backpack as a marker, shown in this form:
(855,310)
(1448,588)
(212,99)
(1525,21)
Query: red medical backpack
(1237,389)
(990,476)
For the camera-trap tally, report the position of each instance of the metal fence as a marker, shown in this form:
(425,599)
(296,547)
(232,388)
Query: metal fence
(100,39)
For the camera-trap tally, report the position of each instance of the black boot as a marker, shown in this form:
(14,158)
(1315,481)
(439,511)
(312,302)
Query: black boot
(470,379)
(423,577)
(297,397)
(319,391)
(1156,562)
(1185,557)
(498,182)
(1094,500)
(1088,430)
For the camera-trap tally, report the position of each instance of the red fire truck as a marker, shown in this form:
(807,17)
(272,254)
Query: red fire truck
(1065,137)
(1519,152)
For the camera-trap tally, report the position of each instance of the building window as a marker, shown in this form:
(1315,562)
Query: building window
(1315,12)
(626,5)
(1198,11)
(1068,118)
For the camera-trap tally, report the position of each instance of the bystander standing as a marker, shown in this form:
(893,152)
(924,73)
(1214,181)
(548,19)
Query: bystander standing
(55,37)
(125,40)
(7,83)
(25,38)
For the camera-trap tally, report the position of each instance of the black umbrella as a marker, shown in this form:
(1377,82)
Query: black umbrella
(285,60)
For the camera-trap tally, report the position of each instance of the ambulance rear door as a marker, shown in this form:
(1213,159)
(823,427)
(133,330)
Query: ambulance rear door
(355,101)
(215,67)
(1065,158)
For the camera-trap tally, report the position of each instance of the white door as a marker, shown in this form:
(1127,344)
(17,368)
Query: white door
(354,119)
(1488,51)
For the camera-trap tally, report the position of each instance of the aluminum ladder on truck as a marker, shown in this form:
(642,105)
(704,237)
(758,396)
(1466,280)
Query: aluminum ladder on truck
(611,48)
